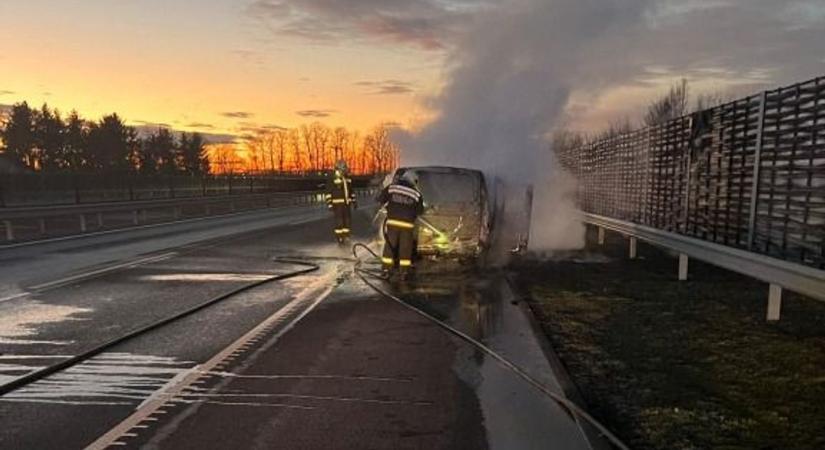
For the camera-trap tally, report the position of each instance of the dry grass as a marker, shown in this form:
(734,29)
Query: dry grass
(684,365)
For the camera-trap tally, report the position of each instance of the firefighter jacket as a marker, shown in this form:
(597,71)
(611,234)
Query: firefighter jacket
(404,203)
(339,190)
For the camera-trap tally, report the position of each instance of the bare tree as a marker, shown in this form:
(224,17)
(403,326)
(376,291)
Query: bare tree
(340,138)
(672,105)
(295,141)
(225,159)
(710,100)
(280,144)
(381,149)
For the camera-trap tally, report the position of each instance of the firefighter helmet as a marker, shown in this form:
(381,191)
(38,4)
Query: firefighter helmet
(341,166)
(411,177)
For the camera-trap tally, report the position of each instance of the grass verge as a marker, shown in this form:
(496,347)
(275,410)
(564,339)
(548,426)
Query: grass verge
(681,365)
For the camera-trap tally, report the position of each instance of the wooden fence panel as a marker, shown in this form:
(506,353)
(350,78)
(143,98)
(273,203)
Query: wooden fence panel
(695,175)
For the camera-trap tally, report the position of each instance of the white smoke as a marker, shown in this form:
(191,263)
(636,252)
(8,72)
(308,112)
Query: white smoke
(508,85)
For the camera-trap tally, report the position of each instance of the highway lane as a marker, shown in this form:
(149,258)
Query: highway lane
(364,372)
(357,370)
(77,406)
(32,265)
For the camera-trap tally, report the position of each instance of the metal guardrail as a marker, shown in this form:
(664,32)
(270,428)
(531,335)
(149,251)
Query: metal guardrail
(749,174)
(740,185)
(45,189)
(49,221)
(805,280)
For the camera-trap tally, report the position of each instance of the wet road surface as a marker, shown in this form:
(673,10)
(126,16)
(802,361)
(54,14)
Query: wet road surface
(319,361)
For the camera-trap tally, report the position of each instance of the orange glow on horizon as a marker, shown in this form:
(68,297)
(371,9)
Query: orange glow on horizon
(309,148)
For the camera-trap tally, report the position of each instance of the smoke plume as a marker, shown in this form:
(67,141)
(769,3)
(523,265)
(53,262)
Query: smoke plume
(510,80)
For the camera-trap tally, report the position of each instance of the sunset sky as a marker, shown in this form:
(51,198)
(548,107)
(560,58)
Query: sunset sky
(206,65)
(227,67)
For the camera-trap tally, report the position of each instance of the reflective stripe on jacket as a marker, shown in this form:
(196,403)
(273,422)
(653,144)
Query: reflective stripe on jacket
(404,202)
(339,190)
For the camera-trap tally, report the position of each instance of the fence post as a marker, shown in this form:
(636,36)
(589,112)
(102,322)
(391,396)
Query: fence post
(757,163)
(9,230)
(76,189)
(689,162)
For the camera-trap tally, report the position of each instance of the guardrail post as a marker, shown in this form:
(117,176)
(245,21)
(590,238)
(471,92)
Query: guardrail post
(600,235)
(683,266)
(135,219)
(176,213)
(9,230)
(82,223)
(143,216)
(100,220)
(42,223)
(633,247)
(757,163)
(686,207)
(774,302)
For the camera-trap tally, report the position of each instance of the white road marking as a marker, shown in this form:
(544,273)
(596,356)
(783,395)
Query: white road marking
(12,297)
(195,374)
(207,277)
(310,377)
(107,377)
(199,397)
(105,270)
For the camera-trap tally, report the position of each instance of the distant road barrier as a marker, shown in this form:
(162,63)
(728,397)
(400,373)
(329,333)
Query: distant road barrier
(35,223)
(46,189)
(747,175)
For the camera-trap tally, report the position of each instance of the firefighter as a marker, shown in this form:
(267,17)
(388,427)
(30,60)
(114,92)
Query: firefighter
(404,204)
(340,199)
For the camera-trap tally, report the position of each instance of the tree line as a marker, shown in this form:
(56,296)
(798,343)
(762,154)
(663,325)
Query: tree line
(675,103)
(313,147)
(42,140)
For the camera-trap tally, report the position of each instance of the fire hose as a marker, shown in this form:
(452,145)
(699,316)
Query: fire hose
(367,276)
(40,374)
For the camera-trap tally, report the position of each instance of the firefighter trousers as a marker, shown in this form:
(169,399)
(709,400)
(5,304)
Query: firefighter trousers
(343,220)
(399,246)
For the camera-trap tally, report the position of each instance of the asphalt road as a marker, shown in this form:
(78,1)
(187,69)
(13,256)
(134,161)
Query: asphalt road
(319,361)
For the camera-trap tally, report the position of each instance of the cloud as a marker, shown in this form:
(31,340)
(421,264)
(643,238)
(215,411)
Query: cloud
(219,138)
(425,24)
(238,114)
(146,128)
(200,125)
(511,77)
(5,92)
(387,87)
(316,113)
(152,126)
